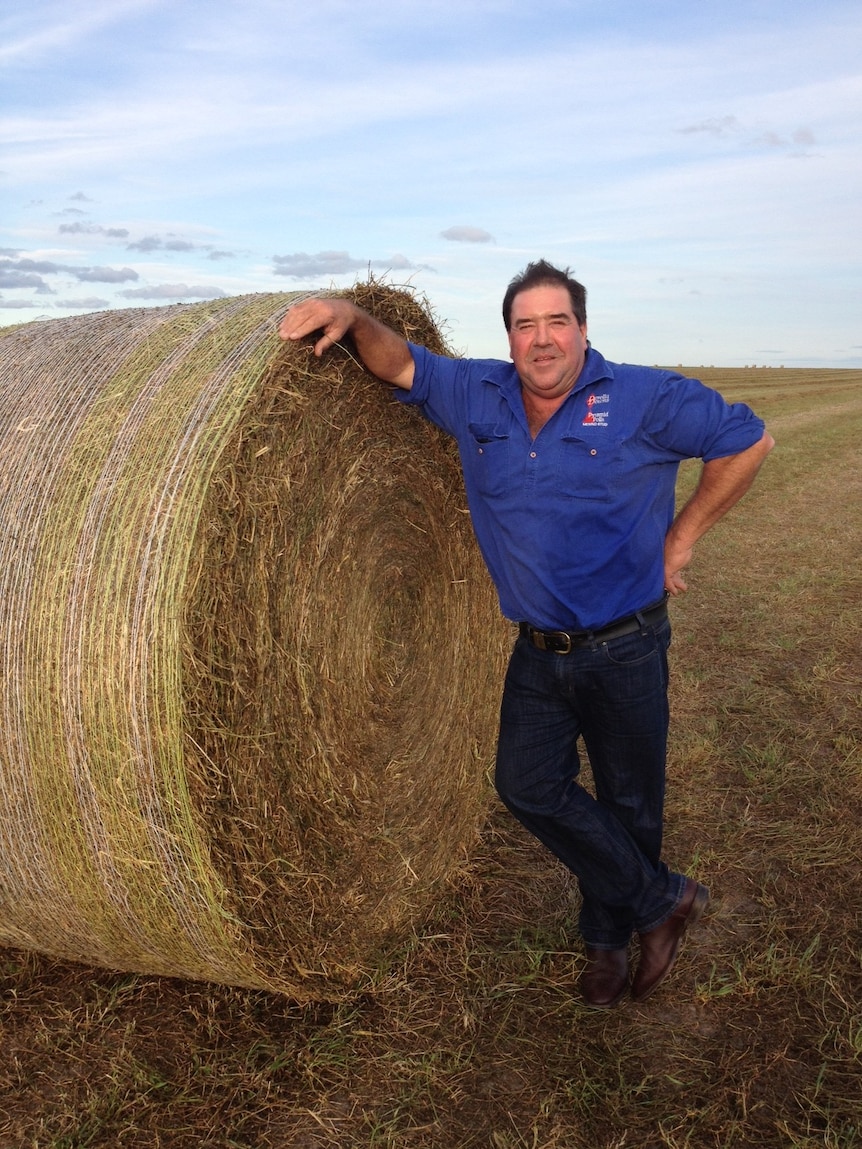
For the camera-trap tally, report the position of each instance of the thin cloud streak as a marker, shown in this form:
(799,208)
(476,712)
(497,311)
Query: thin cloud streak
(62,27)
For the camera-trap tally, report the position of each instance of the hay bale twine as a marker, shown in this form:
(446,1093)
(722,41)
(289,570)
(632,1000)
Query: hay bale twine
(250,656)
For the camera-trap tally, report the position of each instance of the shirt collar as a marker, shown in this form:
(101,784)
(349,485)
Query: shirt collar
(595,367)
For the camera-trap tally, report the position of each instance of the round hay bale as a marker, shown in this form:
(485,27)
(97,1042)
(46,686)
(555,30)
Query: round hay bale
(250,655)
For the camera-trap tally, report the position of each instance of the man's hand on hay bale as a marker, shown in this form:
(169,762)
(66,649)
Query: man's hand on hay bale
(334,317)
(383,351)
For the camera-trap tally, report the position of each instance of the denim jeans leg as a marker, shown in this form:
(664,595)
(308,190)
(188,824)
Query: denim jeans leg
(614,696)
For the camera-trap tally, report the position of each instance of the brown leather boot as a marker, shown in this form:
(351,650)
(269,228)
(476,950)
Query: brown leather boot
(606,977)
(659,947)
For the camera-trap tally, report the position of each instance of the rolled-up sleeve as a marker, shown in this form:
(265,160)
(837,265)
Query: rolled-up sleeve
(690,420)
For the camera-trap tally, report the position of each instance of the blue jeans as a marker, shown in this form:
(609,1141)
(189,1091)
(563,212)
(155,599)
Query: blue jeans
(613,695)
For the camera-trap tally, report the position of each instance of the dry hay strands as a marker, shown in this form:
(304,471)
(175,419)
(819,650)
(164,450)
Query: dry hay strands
(250,655)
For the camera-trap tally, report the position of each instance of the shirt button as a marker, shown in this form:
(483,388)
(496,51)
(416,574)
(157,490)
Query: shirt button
(532,454)
(481,452)
(594,451)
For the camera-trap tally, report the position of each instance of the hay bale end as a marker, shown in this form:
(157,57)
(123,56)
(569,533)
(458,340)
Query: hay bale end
(250,654)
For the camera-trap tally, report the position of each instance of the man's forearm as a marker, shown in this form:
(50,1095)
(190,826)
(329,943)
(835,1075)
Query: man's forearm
(383,351)
(722,484)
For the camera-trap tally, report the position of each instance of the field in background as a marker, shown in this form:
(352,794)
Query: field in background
(473,1036)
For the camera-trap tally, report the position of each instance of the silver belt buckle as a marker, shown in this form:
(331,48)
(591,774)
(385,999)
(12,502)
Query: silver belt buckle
(568,638)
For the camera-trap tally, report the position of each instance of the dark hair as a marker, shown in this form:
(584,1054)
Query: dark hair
(544,274)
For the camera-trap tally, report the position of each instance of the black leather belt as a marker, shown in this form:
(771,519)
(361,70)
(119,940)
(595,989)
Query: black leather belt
(565,641)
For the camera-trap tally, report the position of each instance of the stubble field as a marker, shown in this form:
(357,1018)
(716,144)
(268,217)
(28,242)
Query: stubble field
(473,1035)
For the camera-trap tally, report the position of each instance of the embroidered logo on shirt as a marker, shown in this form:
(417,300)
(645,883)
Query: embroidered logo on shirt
(595,418)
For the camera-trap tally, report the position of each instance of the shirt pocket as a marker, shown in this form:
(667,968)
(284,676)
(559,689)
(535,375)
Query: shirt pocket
(487,460)
(589,467)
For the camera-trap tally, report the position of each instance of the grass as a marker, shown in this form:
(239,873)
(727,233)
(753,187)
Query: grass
(472,1035)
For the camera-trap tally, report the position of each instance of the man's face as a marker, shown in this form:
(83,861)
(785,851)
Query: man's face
(546,342)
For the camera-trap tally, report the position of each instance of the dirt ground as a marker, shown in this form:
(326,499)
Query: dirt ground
(472,1034)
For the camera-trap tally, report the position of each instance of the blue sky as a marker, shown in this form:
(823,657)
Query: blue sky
(698,165)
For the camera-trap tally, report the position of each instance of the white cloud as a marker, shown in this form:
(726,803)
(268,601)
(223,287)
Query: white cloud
(89,303)
(103,274)
(18,304)
(157,243)
(173,291)
(16,277)
(463,234)
(301,265)
(93,229)
(714,126)
(34,268)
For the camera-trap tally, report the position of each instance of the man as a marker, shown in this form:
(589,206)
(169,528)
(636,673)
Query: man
(570,465)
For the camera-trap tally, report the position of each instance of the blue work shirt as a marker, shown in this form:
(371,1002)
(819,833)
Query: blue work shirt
(572,524)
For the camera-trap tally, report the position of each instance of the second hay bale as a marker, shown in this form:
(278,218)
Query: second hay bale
(251,655)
